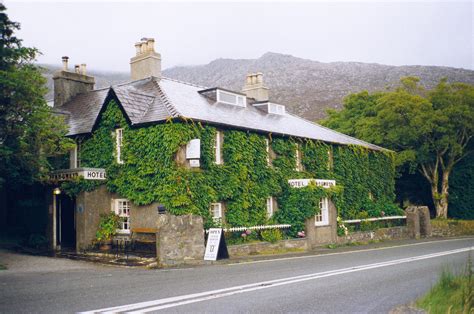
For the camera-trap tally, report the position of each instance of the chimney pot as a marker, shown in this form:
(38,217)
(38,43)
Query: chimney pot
(249,79)
(142,47)
(65,66)
(83,69)
(260,77)
(76,68)
(151,44)
(137,48)
(254,78)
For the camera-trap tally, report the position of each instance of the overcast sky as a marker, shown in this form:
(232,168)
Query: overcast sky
(102,34)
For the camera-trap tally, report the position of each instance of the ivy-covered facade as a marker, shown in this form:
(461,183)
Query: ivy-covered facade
(242,176)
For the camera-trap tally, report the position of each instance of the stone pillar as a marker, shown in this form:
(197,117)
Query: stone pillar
(179,240)
(310,231)
(413,222)
(425,222)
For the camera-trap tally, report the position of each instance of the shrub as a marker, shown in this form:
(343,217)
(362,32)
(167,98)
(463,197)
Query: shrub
(108,225)
(271,235)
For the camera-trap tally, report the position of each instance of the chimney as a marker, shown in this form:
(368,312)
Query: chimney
(254,87)
(146,62)
(68,84)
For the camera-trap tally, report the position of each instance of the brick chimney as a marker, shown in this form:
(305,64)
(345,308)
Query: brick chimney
(146,62)
(68,84)
(254,87)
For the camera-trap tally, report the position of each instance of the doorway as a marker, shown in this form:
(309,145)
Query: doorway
(65,222)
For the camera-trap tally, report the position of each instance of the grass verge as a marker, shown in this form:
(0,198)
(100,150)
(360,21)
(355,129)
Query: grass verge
(451,294)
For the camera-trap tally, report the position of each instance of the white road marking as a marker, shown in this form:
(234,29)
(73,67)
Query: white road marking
(347,252)
(160,304)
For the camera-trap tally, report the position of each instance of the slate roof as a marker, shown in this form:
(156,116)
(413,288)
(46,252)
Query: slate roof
(154,100)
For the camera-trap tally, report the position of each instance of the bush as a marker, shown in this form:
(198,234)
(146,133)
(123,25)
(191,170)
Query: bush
(108,225)
(271,235)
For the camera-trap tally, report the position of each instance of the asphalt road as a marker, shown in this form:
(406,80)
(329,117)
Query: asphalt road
(371,280)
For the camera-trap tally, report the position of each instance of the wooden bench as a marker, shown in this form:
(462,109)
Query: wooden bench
(144,234)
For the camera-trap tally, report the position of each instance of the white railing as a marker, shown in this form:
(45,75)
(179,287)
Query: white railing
(262,227)
(352,221)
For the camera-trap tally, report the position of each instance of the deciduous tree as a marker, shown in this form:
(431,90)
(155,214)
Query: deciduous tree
(429,130)
(29,132)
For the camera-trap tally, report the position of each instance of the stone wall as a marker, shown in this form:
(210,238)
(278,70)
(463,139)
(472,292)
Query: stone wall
(393,233)
(452,228)
(318,235)
(180,239)
(93,204)
(267,247)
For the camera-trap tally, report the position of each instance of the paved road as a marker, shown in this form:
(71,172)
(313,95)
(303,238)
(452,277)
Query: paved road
(368,281)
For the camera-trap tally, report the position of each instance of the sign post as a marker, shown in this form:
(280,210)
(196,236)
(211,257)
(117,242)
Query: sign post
(216,247)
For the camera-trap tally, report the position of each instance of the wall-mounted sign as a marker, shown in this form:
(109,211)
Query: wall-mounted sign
(194,163)
(216,247)
(161,209)
(70,174)
(193,149)
(301,183)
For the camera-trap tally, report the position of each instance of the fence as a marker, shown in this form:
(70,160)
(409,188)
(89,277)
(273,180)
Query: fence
(261,227)
(375,223)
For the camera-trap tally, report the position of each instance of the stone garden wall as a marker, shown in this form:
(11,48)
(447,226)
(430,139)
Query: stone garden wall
(283,246)
(179,240)
(452,228)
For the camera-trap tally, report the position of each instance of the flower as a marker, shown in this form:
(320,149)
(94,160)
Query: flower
(243,235)
(301,234)
(248,231)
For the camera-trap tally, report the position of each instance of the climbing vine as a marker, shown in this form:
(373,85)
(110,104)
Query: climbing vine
(150,173)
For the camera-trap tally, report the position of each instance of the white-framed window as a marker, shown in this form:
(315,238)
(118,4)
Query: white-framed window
(230,98)
(218,148)
(322,218)
(119,144)
(216,212)
(122,209)
(276,109)
(298,166)
(270,209)
(267,150)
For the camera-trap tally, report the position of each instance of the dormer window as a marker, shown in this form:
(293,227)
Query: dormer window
(276,109)
(270,107)
(230,98)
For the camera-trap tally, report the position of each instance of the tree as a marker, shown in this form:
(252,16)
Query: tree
(29,131)
(429,130)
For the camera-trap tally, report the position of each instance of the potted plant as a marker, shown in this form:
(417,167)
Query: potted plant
(108,225)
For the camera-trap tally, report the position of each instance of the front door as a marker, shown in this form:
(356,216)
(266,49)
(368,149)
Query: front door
(66,227)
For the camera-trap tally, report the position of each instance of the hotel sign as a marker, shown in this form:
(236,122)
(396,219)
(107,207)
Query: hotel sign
(301,183)
(70,174)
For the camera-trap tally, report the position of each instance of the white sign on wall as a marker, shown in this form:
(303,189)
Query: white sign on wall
(70,174)
(212,246)
(301,183)
(193,149)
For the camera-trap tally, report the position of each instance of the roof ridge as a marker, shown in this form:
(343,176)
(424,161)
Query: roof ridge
(133,81)
(329,129)
(183,82)
(169,106)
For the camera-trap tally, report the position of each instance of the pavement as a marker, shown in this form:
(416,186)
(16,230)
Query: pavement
(364,279)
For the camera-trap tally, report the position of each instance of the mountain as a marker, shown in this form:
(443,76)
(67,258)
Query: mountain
(306,87)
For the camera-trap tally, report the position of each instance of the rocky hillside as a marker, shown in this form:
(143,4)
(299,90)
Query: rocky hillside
(306,87)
